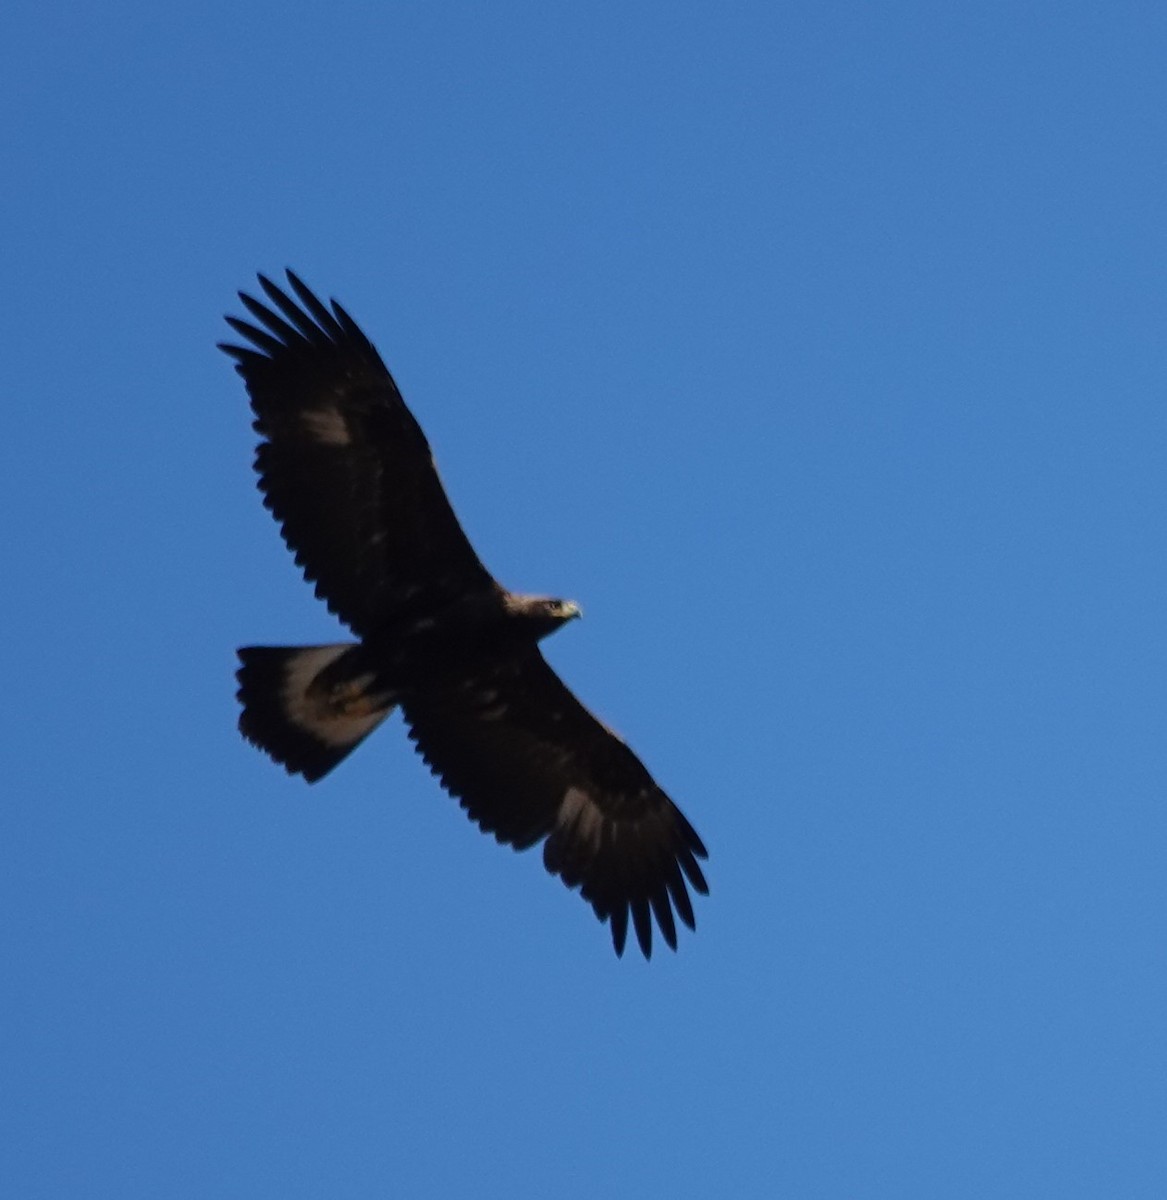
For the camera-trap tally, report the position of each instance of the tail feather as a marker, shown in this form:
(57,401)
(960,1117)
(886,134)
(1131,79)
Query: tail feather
(307,729)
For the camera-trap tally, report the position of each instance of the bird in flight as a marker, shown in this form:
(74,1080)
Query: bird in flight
(347,473)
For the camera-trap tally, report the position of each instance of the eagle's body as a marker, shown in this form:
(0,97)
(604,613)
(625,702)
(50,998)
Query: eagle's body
(347,472)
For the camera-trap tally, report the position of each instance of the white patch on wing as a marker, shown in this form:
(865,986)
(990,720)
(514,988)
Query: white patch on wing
(580,815)
(327,426)
(334,724)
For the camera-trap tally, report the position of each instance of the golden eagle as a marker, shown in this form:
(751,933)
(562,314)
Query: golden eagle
(347,472)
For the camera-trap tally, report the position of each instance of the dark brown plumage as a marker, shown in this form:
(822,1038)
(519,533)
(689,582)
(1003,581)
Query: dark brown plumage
(348,474)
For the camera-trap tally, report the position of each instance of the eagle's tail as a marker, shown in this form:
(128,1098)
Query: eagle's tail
(304,718)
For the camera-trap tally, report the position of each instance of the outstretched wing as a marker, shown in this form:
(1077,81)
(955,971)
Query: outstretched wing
(344,466)
(527,761)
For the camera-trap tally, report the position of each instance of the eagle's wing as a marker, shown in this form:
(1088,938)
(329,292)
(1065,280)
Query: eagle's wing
(527,760)
(344,467)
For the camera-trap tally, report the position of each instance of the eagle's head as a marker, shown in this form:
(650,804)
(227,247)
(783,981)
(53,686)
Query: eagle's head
(545,613)
(563,610)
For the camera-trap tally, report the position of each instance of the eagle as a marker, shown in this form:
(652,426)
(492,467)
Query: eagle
(347,472)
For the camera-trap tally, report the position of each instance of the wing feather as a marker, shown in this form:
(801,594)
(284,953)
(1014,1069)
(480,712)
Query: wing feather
(344,466)
(528,761)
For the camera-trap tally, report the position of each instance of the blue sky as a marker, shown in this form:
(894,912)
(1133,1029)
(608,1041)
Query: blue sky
(818,350)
